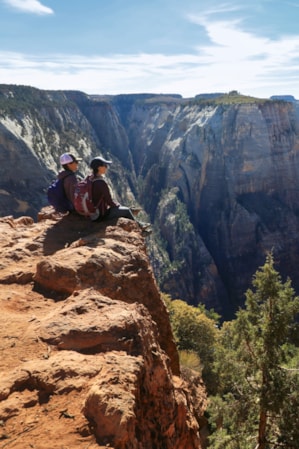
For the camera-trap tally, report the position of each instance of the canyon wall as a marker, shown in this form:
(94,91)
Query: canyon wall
(218,177)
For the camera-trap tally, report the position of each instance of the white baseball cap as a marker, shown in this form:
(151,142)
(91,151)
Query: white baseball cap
(68,158)
(98,162)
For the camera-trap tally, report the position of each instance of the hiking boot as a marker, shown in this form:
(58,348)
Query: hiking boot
(135,210)
(144,225)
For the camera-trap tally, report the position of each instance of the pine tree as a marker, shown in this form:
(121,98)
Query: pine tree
(256,381)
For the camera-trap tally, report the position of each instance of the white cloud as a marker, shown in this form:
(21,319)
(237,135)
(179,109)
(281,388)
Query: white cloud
(234,60)
(221,9)
(29,6)
(244,58)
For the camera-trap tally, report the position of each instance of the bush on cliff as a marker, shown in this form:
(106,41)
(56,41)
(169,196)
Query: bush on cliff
(196,336)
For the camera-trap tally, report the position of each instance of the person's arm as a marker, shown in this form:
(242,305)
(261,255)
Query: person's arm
(102,191)
(70,183)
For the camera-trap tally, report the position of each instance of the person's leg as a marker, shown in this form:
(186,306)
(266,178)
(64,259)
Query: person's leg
(123,211)
(120,211)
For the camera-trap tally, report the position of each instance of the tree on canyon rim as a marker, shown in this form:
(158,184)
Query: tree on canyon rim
(257,359)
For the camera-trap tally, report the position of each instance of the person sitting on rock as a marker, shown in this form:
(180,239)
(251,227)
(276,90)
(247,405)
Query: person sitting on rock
(101,194)
(70,166)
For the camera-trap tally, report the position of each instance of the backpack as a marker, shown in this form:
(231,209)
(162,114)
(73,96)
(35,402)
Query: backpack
(57,197)
(83,203)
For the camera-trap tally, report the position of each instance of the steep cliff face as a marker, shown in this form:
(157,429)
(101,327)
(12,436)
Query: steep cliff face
(218,178)
(87,353)
(221,184)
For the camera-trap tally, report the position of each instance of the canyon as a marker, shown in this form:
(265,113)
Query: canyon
(216,176)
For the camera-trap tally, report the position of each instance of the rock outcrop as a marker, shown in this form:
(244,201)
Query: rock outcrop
(87,353)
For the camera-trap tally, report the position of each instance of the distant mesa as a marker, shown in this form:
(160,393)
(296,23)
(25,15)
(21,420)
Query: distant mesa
(208,96)
(289,98)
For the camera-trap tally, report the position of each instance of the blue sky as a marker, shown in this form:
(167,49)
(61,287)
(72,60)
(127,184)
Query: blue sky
(156,46)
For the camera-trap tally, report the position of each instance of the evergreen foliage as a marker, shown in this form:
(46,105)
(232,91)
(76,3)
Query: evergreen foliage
(230,98)
(258,389)
(250,366)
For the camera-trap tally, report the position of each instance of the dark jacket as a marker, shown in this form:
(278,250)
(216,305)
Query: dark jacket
(101,195)
(70,182)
